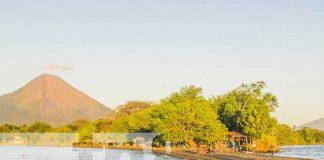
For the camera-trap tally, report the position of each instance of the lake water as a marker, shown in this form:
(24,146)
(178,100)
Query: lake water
(69,153)
(309,152)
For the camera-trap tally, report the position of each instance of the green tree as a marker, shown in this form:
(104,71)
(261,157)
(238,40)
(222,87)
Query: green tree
(187,116)
(287,136)
(311,136)
(140,122)
(7,128)
(78,124)
(87,129)
(247,109)
(183,117)
(86,133)
(102,125)
(132,107)
(23,128)
(39,127)
(62,129)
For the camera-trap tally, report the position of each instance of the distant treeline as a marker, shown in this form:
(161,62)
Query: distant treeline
(289,136)
(186,118)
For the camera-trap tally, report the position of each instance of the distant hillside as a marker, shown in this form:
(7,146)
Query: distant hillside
(48,99)
(318,124)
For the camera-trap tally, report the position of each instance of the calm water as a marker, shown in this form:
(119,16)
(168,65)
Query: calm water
(69,153)
(309,152)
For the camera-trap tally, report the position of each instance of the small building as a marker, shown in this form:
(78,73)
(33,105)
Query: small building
(138,141)
(111,142)
(237,137)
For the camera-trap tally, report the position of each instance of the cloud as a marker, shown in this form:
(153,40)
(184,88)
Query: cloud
(57,67)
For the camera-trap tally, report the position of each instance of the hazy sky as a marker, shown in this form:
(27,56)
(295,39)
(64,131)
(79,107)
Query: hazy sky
(124,50)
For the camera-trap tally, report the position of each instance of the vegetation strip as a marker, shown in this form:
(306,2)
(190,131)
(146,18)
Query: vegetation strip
(186,119)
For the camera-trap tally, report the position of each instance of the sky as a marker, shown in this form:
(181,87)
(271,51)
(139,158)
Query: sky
(117,51)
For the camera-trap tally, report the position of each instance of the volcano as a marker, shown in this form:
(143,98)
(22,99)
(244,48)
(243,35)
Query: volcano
(317,124)
(49,99)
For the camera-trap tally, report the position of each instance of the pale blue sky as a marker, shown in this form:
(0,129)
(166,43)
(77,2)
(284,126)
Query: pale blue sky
(123,50)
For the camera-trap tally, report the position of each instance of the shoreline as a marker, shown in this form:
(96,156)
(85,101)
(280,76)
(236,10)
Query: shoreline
(193,156)
(182,153)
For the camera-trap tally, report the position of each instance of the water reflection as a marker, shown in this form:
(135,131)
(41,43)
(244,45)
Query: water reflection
(112,154)
(70,153)
(45,146)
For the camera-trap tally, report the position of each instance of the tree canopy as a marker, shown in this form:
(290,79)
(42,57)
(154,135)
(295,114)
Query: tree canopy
(182,117)
(187,118)
(247,109)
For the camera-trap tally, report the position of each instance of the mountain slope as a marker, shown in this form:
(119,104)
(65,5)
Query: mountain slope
(317,124)
(48,99)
